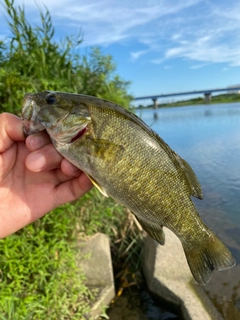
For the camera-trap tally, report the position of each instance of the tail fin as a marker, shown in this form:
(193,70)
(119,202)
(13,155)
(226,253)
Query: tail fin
(207,257)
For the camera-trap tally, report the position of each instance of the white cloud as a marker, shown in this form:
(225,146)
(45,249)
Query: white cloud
(198,30)
(157,61)
(198,66)
(213,53)
(136,54)
(106,22)
(213,38)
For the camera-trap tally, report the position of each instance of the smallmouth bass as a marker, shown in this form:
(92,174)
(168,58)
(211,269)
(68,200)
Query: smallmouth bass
(129,162)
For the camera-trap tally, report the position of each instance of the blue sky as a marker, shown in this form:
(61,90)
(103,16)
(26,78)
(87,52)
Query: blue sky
(161,46)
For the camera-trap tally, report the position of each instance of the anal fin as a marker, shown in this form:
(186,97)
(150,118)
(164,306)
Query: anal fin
(152,228)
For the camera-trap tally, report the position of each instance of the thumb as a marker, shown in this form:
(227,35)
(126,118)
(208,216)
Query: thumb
(10,130)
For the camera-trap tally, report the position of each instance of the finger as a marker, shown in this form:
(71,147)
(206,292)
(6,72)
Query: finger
(46,158)
(69,169)
(10,130)
(37,141)
(71,190)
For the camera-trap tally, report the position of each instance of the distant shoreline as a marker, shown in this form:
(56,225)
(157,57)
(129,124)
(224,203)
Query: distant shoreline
(221,98)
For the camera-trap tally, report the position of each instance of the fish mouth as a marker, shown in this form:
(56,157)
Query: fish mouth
(30,127)
(30,119)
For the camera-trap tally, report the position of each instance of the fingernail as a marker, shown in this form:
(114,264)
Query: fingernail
(35,161)
(36,142)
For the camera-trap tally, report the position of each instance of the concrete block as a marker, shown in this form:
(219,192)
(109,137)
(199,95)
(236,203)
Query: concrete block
(168,276)
(95,261)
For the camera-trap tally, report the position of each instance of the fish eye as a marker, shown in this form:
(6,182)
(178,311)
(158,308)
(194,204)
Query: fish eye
(51,98)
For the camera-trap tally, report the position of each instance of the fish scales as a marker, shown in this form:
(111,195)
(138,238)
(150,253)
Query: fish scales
(158,170)
(126,160)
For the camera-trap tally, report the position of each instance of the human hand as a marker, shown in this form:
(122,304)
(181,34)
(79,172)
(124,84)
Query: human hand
(34,177)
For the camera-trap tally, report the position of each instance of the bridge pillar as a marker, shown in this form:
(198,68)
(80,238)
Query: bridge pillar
(207,96)
(155,104)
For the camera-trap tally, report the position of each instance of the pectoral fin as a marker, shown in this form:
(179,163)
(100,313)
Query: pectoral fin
(104,149)
(94,182)
(154,229)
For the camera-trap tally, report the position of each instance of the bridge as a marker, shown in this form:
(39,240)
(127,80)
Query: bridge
(207,94)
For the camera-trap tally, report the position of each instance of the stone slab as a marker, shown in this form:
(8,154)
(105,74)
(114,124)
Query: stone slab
(168,276)
(95,261)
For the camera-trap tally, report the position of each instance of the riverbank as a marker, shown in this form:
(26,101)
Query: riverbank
(221,98)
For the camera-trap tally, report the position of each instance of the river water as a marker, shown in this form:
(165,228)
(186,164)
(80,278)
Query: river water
(208,138)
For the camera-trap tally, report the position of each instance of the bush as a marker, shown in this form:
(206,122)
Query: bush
(31,60)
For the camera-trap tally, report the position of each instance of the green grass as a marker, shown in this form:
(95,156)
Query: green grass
(39,276)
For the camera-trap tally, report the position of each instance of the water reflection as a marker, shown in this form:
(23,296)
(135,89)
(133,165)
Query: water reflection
(208,137)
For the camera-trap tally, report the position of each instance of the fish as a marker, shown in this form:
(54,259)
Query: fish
(126,160)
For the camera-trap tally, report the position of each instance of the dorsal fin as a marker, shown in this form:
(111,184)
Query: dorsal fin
(195,187)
